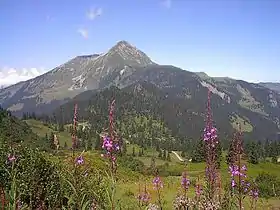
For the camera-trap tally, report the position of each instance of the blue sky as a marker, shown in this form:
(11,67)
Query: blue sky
(239,39)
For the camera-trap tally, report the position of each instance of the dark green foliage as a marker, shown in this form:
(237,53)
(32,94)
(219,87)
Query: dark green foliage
(15,131)
(160,154)
(219,151)
(268,185)
(168,158)
(133,152)
(131,163)
(199,154)
(252,152)
(65,145)
(37,178)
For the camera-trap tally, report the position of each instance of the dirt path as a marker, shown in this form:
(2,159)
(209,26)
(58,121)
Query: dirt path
(178,156)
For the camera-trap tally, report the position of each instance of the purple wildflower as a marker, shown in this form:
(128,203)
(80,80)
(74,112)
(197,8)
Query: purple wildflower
(254,193)
(198,190)
(144,197)
(210,134)
(185,182)
(233,184)
(11,158)
(234,170)
(80,160)
(157,183)
(210,138)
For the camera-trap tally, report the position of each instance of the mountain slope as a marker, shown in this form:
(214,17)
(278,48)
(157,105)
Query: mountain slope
(171,93)
(183,115)
(13,130)
(271,85)
(77,75)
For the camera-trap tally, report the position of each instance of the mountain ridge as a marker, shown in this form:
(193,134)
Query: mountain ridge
(124,65)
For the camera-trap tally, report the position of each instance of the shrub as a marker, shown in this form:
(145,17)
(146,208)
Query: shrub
(268,184)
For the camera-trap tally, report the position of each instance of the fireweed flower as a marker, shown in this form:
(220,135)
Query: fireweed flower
(144,197)
(185,182)
(210,138)
(110,143)
(254,193)
(79,160)
(182,202)
(11,158)
(153,207)
(234,170)
(198,190)
(157,183)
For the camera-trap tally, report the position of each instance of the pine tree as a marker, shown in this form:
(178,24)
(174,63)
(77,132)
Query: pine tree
(97,145)
(164,156)
(60,127)
(253,155)
(124,149)
(153,164)
(219,155)
(133,152)
(139,153)
(168,157)
(51,141)
(198,154)
(160,154)
(65,145)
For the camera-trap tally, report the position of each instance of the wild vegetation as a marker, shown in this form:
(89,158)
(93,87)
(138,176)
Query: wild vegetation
(131,160)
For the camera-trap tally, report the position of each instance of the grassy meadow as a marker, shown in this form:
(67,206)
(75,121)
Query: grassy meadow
(130,182)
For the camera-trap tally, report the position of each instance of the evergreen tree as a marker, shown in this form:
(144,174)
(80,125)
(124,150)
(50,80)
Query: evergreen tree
(160,154)
(133,152)
(139,153)
(97,145)
(24,116)
(46,138)
(124,149)
(219,154)
(198,154)
(153,164)
(51,141)
(65,145)
(164,155)
(60,127)
(168,157)
(253,155)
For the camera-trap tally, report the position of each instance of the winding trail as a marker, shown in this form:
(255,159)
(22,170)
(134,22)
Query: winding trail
(178,156)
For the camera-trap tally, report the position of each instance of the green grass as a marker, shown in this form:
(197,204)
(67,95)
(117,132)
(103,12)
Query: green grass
(41,129)
(148,154)
(245,126)
(128,182)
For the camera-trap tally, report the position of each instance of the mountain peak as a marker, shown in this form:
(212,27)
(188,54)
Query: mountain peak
(129,52)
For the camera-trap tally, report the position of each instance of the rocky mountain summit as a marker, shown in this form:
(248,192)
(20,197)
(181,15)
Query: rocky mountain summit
(81,73)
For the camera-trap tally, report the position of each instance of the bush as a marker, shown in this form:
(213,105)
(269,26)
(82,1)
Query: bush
(37,178)
(268,184)
(131,163)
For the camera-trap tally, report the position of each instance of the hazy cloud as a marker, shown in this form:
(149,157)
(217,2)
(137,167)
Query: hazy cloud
(9,76)
(83,32)
(167,3)
(93,13)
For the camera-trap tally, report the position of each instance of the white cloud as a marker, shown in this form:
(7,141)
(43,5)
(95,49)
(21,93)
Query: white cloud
(167,3)
(10,76)
(93,13)
(83,32)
